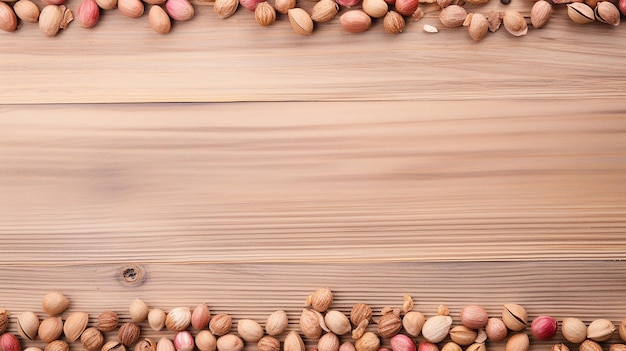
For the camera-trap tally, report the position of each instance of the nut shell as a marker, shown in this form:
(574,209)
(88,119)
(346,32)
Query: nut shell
(573,330)
(600,330)
(92,339)
(225,8)
(206,341)
(50,328)
(74,325)
(605,12)
(463,335)
(138,309)
(165,344)
(113,346)
(368,342)
(107,321)
(283,6)
(264,14)
(515,23)
(54,303)
(589,345)
(276,323)
(622,330)
(360,312)
(580,13)
(4,321)
(413,322)
(146,344)
(496,329)
(178,318)
(355,21)
(310,324)
(160,23)
(220,324)
(394,23)
(514,316)
(293,342)
(8,19)
(477,29)
(268,343)
(436,328)
(300,21)
(27,324)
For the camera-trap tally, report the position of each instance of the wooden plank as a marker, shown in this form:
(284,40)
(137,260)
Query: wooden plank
(306,182)
(213,60)
(588,290)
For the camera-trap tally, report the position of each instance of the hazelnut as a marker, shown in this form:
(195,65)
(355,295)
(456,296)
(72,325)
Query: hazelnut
(74,325)
(249,330)
(178,318)
(27,325)
(138,310)
(220,324)
(268,343)
(229,342)
(544,327)
(206,341)
(200,317)
(92,339)
(293,342)
(107,321)
(276,323)
(183,341)
(129,333)
(54,303)
(389,325)
(401,342)
(360,312)
(50,328)
(10,342)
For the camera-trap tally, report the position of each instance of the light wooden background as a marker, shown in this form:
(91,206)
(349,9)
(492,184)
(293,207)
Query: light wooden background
(245,167)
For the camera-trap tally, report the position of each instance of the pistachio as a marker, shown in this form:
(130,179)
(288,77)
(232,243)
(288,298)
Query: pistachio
(580,13)
(107,320)
(436,328)
(159,22)
(367,342)
(229,342)
(293,342)
(114,346)
(589,345)
(88,13)
(463,335)
(268,343)
(206,341)
(605,12)
(375,8)
(146,344)
(324,11)
(361,311)
(451,346)
(178,318)
(249,330)
(128,333)
(477,29)
(51,327)
(183,341)
(328,342)
(180,10)
(496,329)
(600,330)
(401,342)
(54,303)
(92,339)
(413,322)
(282,6)
(336,321)
(310,324)
(225,8)
(573,330)
(9,342)
(515,24)
(518,342)
(138,310)
(452,16)
(4,322)
(26,10)
(264,14)
(394,23)
(355,21)
(27,323)
(300,21)
(544,327)
(540,13)
(477,346)
(57,345)
(74,325)
(276,323)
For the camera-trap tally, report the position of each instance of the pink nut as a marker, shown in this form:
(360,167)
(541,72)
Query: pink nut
(183,341)
(250,4)
(401,342)
(544,327)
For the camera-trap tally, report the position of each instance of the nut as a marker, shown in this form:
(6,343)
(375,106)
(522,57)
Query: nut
(622,329)
(268,343)
(293,342)
(559,347)
(407,300)
(26,10)
(495,20)
(4,322)
(160,23)
(113,346)
(282,6)
(138,310)
(368,342)
(249,330)
(389,325)
(355,21)
(401,342)
(573,330)
(347,346)
(477,346)
(310,324)
(518,342)
(452,16)
(463,335)
(180,10)
(225,8)
(57,345)
(600,330)
(8,19)
(413,322)
(589,345)
(107,4)
(206,341)
(74,325)
(10,342)
(605,12)
(427,346)
(328,342)
(183,341)
(321,299)
(88,13)
(361,312)
(580,13)
(276,323)
(92,339)
(324,11)
(165,344)
(336,321)
(515,24)
(229,342)
(300,21)
(406,7)
(129,333)
(481,336)
(200,317)
(540,13)
(250,4)
(474,316)
(496,329)
(436,328)
(220,324)
(265,14)
(616,347)
(394,23)
(50,328)
(477,29)
(357,333)
(544,327)
(107,321)
(54,303)
(178,318)
(146,344)
(375,8)
(514,316)
(27,322)
(451,346)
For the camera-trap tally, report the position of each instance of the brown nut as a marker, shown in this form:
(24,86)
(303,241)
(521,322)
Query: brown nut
(107,321)
(50,328)
(220,324)
(54,303)
(361,312)
(514,316)
(74,325)
(129,333)
(92,339)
